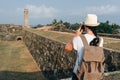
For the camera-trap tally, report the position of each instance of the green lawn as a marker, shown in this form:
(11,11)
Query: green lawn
(57,36)
(16,63)
(65,37)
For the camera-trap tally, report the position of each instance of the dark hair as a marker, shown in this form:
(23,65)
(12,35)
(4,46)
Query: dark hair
(96,40)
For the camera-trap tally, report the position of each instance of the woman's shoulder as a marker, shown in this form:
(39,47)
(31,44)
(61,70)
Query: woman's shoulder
(101,41)
(101,38)
(77,39)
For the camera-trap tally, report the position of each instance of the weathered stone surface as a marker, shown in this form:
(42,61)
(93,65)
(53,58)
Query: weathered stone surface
(10,31)
(26,20)
(112,76)
(50,56)
(54,62)
(112,60)
(110,35)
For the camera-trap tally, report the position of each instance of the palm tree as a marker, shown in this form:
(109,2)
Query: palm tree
(61,26)
(54,23)
(58,26)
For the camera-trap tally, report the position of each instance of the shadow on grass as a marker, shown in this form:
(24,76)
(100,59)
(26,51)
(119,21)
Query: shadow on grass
(57,74)
(11,75)
(43,75)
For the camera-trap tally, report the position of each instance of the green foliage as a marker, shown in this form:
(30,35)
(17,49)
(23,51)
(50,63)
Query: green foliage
(107,28)
(58,26)
(75,26)
(67,25)
(54,23)
(39,25)
(104,27)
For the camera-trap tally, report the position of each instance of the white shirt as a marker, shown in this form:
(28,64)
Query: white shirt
(78,45)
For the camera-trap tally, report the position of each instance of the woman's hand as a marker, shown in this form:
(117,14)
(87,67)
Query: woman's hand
(69,45)
(78,32)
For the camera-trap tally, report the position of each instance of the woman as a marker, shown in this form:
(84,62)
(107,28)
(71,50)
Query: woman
(91,36)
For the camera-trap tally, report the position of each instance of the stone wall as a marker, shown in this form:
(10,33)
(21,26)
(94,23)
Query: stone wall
(112,60)
(10,31)
(50,56)
(100,34)
(110,35)
(54,62)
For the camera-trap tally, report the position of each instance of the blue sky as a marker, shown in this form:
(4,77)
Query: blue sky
(44,11)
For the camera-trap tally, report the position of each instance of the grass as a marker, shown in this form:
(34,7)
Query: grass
(16,63)
(114,46)
(65,37)
(57,36)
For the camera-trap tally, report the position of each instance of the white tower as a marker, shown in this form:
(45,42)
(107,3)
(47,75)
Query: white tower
(26,21)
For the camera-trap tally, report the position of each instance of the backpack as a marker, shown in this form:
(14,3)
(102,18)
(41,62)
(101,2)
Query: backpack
(92,67)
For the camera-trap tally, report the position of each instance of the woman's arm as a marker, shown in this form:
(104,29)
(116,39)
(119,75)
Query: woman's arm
(69,45)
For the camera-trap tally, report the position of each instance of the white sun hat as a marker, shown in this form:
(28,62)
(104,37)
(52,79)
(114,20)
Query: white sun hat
(91,20)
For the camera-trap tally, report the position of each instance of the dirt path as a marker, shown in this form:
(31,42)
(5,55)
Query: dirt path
(16,63)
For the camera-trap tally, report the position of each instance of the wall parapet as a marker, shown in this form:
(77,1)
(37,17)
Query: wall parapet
(10,31)
(50,56)
(109,35)
(54,62)
(100,34)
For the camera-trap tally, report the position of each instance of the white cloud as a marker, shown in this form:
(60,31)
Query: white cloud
(40,11)
(99,10)
(108,9)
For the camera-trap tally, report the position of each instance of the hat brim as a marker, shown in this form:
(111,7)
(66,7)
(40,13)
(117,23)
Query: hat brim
(94,25)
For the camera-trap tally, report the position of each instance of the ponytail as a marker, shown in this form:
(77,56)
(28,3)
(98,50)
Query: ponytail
(96,40)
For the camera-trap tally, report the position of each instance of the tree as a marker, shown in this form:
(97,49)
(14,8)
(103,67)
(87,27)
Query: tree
(60,22)
(39,25)
(75,26)
(107,22)
(67,25)
(58,26)
(104,27)
(107,28)
(54,23)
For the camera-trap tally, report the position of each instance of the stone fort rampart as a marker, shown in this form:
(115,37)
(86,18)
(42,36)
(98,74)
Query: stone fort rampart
(49,54)
(10,32)
(54,62)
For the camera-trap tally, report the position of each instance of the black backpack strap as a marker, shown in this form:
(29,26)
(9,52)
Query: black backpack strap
(84,40)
